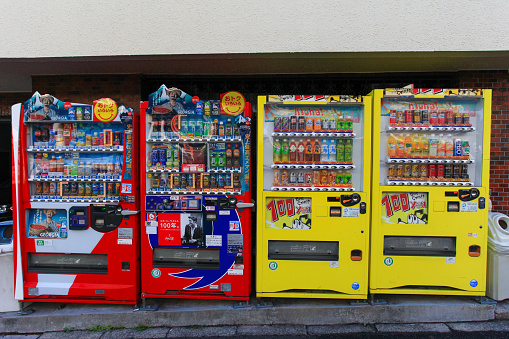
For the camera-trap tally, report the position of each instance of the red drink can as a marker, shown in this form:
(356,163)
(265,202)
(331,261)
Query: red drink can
(393,116)
(433,117)
(440,171)
(409,117)
(432,170)
(441,117)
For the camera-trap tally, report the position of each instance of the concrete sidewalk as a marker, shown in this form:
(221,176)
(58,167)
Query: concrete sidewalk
(263,317)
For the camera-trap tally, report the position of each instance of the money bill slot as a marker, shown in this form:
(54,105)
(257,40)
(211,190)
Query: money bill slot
(68,263)
(304,250)
(186,258)
(420,246)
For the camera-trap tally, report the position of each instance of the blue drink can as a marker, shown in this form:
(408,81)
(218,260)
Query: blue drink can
(154,157)
(162,157)
(457,148)
(199,107)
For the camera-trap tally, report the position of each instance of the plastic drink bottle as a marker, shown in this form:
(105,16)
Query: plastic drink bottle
(441,146)
(391,146)
(293,151)
(449,147)
(408,146)
(324,157)
(309,152)
(433,145)
(416,146)
(348,150)
(340,151)
(285,150)
(277,151)
(300,152)
(424,145)
(332,150)
(400,149)
(316,151)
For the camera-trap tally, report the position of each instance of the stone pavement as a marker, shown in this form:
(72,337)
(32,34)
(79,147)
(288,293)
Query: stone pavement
(411,316)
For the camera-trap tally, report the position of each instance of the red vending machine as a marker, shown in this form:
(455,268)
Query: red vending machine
(196,197)
(76,201)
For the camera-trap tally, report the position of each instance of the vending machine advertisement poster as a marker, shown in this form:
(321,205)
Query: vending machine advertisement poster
(405,208)
(47,223)
(288,213)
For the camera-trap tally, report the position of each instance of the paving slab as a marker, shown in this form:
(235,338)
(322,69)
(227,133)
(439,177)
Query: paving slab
(72,335)
(487,326)
(340,329)
(412,328)
(197,331)
(266,330)
(283,311)
(502,310)
(154,332)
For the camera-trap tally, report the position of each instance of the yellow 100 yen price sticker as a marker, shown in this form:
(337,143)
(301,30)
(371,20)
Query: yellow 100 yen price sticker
(232,103)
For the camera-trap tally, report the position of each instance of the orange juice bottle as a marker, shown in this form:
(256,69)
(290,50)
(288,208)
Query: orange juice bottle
(408,146)
(416,146)
(441,146)
(400,149)
(392,146)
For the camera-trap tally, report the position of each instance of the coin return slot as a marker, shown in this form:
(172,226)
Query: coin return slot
(474,251)
(356,255)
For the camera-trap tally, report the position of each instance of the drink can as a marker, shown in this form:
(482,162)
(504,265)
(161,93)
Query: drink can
(53,188)
(95,189)
(117,138)
(285,124)
(309,124)
(441,117)
(324,178)
(456,171)
(457,148)
(432,170)
(448,171)
(458,119)
(409,116)
(393,119)
(400,117)
(339,178)
(206,128)
(293,178)
(417,116)
(176,181)
(318,124)
(38,188)
(316,177)
(293,123)
(391,171)
(433,118)
(440,171)
(425,117)
(74,188)
(277,177)
(72,113)
(117,189)
(110,191)
(81,189)
(415,170)
(101,189)
(308,178)
(216,107)
(199,128)
(399,171)
(407,170)
(87,114)
(161,157)
(88,140)
(464,171)
(88,189)
(466,118)
(277,124)
(199,108)
(449,117)
(423,169)
(332,177)
(65,189)
(301,123)
(220,180)
(191,180)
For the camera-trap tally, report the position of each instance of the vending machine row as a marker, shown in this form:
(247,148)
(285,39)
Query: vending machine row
(378,194)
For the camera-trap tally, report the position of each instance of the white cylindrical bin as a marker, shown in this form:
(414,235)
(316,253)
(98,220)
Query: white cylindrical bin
(497,284)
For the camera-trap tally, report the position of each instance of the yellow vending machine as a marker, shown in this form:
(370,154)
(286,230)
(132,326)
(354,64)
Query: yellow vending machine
(313,192)
(431,151)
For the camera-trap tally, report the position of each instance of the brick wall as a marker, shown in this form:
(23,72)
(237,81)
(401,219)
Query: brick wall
(124,89)
(498,81)
(9,99)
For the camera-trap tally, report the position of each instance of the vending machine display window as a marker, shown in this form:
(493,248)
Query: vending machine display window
(313,147)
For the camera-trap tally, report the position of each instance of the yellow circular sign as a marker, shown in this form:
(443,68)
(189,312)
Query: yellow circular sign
(233,103)
(105,110)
